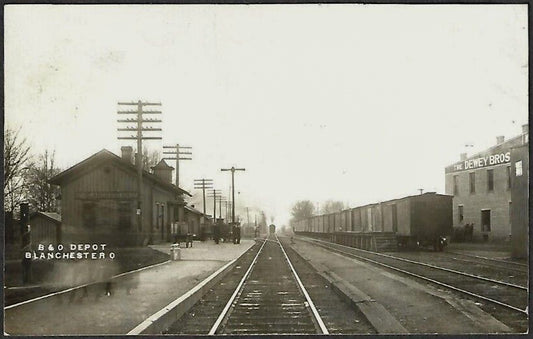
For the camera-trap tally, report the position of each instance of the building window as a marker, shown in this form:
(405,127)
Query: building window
(485,221)
(455,185)
(460,213)
(508,177)
(88,214)
(490,180)
(518,167)
(472,182)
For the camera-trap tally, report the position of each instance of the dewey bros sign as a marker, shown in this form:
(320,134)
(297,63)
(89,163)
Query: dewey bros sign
(482,161)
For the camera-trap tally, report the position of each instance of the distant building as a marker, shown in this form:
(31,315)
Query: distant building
(45,228)
(481,188)
(520,201)
(193,217)
(99,201)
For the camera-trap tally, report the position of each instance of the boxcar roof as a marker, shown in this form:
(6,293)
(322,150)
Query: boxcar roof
(106,155)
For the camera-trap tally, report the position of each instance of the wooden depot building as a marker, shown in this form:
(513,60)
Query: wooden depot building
(99,201)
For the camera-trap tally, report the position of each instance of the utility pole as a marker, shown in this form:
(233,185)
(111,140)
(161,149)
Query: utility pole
(247,217)
(232,169)
(220,199)
(203,184)
(139,128)
(421,190)
(176,151)
(215,194)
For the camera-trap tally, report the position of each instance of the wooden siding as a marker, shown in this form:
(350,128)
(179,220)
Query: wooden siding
(44,231)
(107,177)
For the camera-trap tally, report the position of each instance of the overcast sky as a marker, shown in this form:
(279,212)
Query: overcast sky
(358,103)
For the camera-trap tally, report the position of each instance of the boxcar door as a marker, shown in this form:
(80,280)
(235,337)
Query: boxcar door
(394,218)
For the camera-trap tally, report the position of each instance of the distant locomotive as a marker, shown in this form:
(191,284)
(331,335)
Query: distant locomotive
(272,228)
(418,220)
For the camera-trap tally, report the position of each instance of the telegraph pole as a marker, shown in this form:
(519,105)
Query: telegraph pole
(221,199)
(139,128)
(232,169)
(247,217)
(176,151)
(203,184)
(215,194)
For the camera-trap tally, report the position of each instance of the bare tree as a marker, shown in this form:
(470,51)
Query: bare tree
(331,206)
(16,161)
(302,209)
(150,158)
(41,194)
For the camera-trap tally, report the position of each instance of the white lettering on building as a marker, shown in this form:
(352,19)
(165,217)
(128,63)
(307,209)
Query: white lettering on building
(495,159)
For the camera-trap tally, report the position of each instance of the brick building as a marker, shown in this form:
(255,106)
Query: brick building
(520,198)
(481,188)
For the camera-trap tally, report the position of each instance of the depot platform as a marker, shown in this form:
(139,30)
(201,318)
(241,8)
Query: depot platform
(396,304)
(97,314)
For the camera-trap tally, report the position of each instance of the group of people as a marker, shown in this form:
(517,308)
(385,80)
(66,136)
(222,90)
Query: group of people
(99,275)
(234,235)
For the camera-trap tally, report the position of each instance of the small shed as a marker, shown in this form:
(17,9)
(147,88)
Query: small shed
(45,228)
(193,217)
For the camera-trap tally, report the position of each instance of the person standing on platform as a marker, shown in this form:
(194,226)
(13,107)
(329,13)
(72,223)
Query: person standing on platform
(216,233)
(236,233)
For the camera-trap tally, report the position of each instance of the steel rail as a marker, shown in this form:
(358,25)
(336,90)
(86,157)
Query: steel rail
(513,269)
(478,296)
(317,316)
(224,312)
(492,259)
(437,267)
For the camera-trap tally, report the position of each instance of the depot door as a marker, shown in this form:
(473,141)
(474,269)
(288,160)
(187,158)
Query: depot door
(485,220)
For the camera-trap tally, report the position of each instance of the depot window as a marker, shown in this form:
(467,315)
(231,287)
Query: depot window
(455,185)
(461,213)
(472,182)
(508,177)
(490,180)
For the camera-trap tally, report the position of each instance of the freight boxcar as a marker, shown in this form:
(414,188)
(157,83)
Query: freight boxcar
(424,220)
(420,220)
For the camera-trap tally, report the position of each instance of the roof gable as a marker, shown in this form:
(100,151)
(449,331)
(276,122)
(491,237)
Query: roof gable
(104,156)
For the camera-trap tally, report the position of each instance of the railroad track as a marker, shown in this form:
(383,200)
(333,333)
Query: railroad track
(498,263)
(269,299)
(510,296)
(469,265)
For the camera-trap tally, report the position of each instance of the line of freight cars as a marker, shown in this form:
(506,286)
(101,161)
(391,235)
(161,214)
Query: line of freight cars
(418,220)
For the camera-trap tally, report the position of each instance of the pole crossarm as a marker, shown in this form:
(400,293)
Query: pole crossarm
(135,112)
(136,121)
(202,184)
(232,169)
(175,150)
(140,103)
(137,126)
(143,138)
(142,129)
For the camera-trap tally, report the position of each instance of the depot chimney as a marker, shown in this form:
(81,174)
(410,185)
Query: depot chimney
(127,152)
(500,139)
